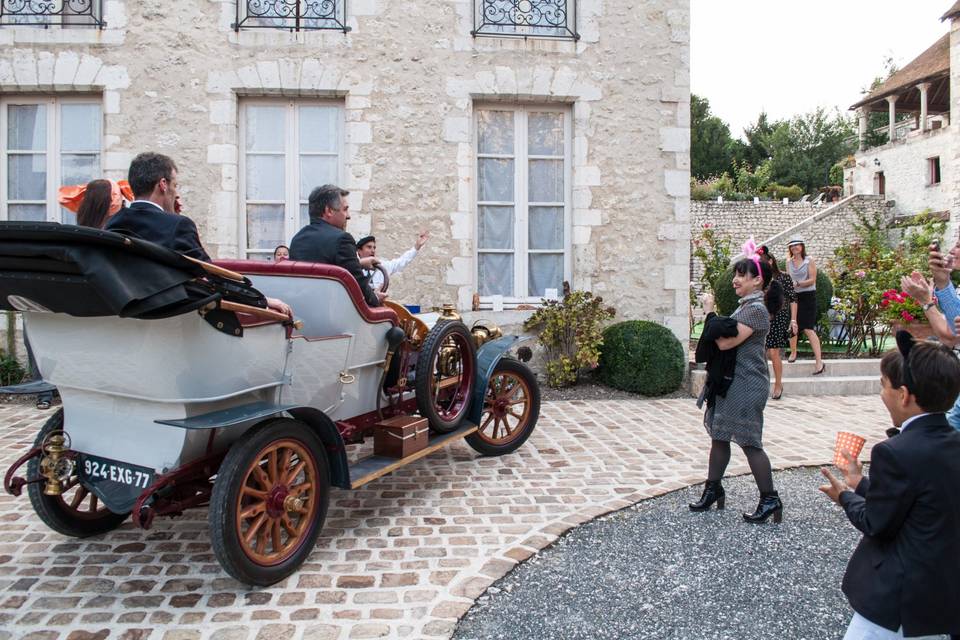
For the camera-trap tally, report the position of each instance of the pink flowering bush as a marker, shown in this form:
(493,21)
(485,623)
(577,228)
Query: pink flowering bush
(896,307)
(867,270)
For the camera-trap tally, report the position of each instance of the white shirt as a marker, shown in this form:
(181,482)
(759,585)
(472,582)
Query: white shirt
(392,266)
(150,202)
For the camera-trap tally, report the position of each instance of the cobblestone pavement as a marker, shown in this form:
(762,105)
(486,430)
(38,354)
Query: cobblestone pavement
(405,556)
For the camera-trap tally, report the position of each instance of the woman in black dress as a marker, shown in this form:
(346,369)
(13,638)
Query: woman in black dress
(783,325)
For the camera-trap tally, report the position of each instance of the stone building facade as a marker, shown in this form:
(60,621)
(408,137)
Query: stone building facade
(530,160)
(917,168)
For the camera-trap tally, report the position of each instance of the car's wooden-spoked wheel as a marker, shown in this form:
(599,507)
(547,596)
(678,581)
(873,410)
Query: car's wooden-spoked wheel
(76,512)
(511,407)
(269,502)
(446,370)
(276,505)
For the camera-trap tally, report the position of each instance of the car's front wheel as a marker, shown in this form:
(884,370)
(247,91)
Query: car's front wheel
(511,407)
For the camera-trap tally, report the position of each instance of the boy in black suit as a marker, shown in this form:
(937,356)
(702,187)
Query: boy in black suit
(903,579)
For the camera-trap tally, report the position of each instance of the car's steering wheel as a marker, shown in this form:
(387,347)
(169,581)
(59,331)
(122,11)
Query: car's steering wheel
(386,277)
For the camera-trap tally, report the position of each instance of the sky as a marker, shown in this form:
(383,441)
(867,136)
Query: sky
(788,58)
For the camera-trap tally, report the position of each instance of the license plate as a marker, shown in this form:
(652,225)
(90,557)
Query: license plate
(95,470)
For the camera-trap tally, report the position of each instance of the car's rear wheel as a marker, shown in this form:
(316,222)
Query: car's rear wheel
(445,373)
(269,502)
(511,407)
(76,512)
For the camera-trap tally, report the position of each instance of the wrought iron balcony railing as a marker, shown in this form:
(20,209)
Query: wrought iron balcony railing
(52,13)
(525,18)
(295,15)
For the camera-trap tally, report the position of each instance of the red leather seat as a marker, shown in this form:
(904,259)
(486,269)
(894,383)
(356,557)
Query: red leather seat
(313,270)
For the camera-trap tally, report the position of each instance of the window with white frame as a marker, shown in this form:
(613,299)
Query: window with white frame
(47,142)
(289,147)
(523,202)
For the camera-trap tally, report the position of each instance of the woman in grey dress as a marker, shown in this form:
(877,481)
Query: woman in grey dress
(737,416)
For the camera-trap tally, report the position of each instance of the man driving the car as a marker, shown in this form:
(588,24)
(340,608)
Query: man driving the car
(325,239)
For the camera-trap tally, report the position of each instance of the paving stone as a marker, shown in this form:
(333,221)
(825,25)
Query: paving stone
(355,582)
(322,632)
(370,631)
(276,632)
(231,633)
(181,634)
(185,601)
(443,526)
(88,635)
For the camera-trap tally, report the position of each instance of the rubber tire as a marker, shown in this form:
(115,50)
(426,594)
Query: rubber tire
(432,342)
(485,448)
(51,510)
(223,500)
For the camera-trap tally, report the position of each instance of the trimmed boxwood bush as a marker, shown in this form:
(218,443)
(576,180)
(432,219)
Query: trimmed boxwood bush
(641,357)
(727,300)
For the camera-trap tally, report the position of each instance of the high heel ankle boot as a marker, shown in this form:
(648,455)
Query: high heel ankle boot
(712,492)
(770,505)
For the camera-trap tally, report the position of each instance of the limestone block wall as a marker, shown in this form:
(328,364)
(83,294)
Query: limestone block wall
(408,76)
(823,228)
(953,151)
(904,164)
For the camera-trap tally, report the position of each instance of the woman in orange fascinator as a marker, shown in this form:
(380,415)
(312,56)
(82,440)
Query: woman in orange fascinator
(96,201)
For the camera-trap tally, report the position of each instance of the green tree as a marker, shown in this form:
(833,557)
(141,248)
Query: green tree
(803,149)
(711,147)
(756,149)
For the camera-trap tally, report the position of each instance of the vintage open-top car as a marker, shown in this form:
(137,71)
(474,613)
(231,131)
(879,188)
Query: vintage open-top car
(181,388)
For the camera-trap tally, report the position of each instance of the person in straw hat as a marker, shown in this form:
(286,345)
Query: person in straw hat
(803,272)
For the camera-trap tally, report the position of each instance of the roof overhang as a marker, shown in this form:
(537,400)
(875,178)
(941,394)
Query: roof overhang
(933,65)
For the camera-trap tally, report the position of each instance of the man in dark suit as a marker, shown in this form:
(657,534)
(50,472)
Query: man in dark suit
(153,214)
(325,239)
(903,580)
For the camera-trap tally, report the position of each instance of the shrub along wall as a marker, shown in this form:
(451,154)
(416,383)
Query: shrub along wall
(824,227)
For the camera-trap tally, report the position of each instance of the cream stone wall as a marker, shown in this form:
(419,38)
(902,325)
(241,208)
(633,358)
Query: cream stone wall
(905,169)
(408,74)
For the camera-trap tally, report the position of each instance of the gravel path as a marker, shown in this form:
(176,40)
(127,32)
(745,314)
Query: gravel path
(657,570)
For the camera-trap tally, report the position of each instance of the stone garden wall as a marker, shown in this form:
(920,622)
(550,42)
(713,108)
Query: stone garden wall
(824,227)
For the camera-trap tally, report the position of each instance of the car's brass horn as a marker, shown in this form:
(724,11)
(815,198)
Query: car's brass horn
(484,331)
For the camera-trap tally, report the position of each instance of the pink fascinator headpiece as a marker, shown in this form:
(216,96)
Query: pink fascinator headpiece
(749,249)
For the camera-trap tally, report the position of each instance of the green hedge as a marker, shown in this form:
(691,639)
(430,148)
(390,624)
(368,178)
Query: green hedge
(727,300)
(641,357)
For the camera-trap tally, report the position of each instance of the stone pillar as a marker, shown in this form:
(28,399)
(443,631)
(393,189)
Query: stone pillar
(864,121)
(924,87)
(892,131)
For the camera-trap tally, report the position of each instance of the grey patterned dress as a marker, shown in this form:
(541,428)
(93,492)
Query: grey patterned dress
(738,417)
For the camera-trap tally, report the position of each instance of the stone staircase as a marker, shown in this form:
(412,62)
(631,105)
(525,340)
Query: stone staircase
(842,378)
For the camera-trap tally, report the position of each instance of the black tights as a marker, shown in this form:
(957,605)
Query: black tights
(756,458)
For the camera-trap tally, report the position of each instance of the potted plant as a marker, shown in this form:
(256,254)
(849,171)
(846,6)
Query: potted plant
(900,311)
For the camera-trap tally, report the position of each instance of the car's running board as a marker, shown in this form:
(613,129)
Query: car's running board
(27,388)
(369,469)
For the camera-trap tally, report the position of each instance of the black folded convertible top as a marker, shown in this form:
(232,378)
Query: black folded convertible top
(46,266)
